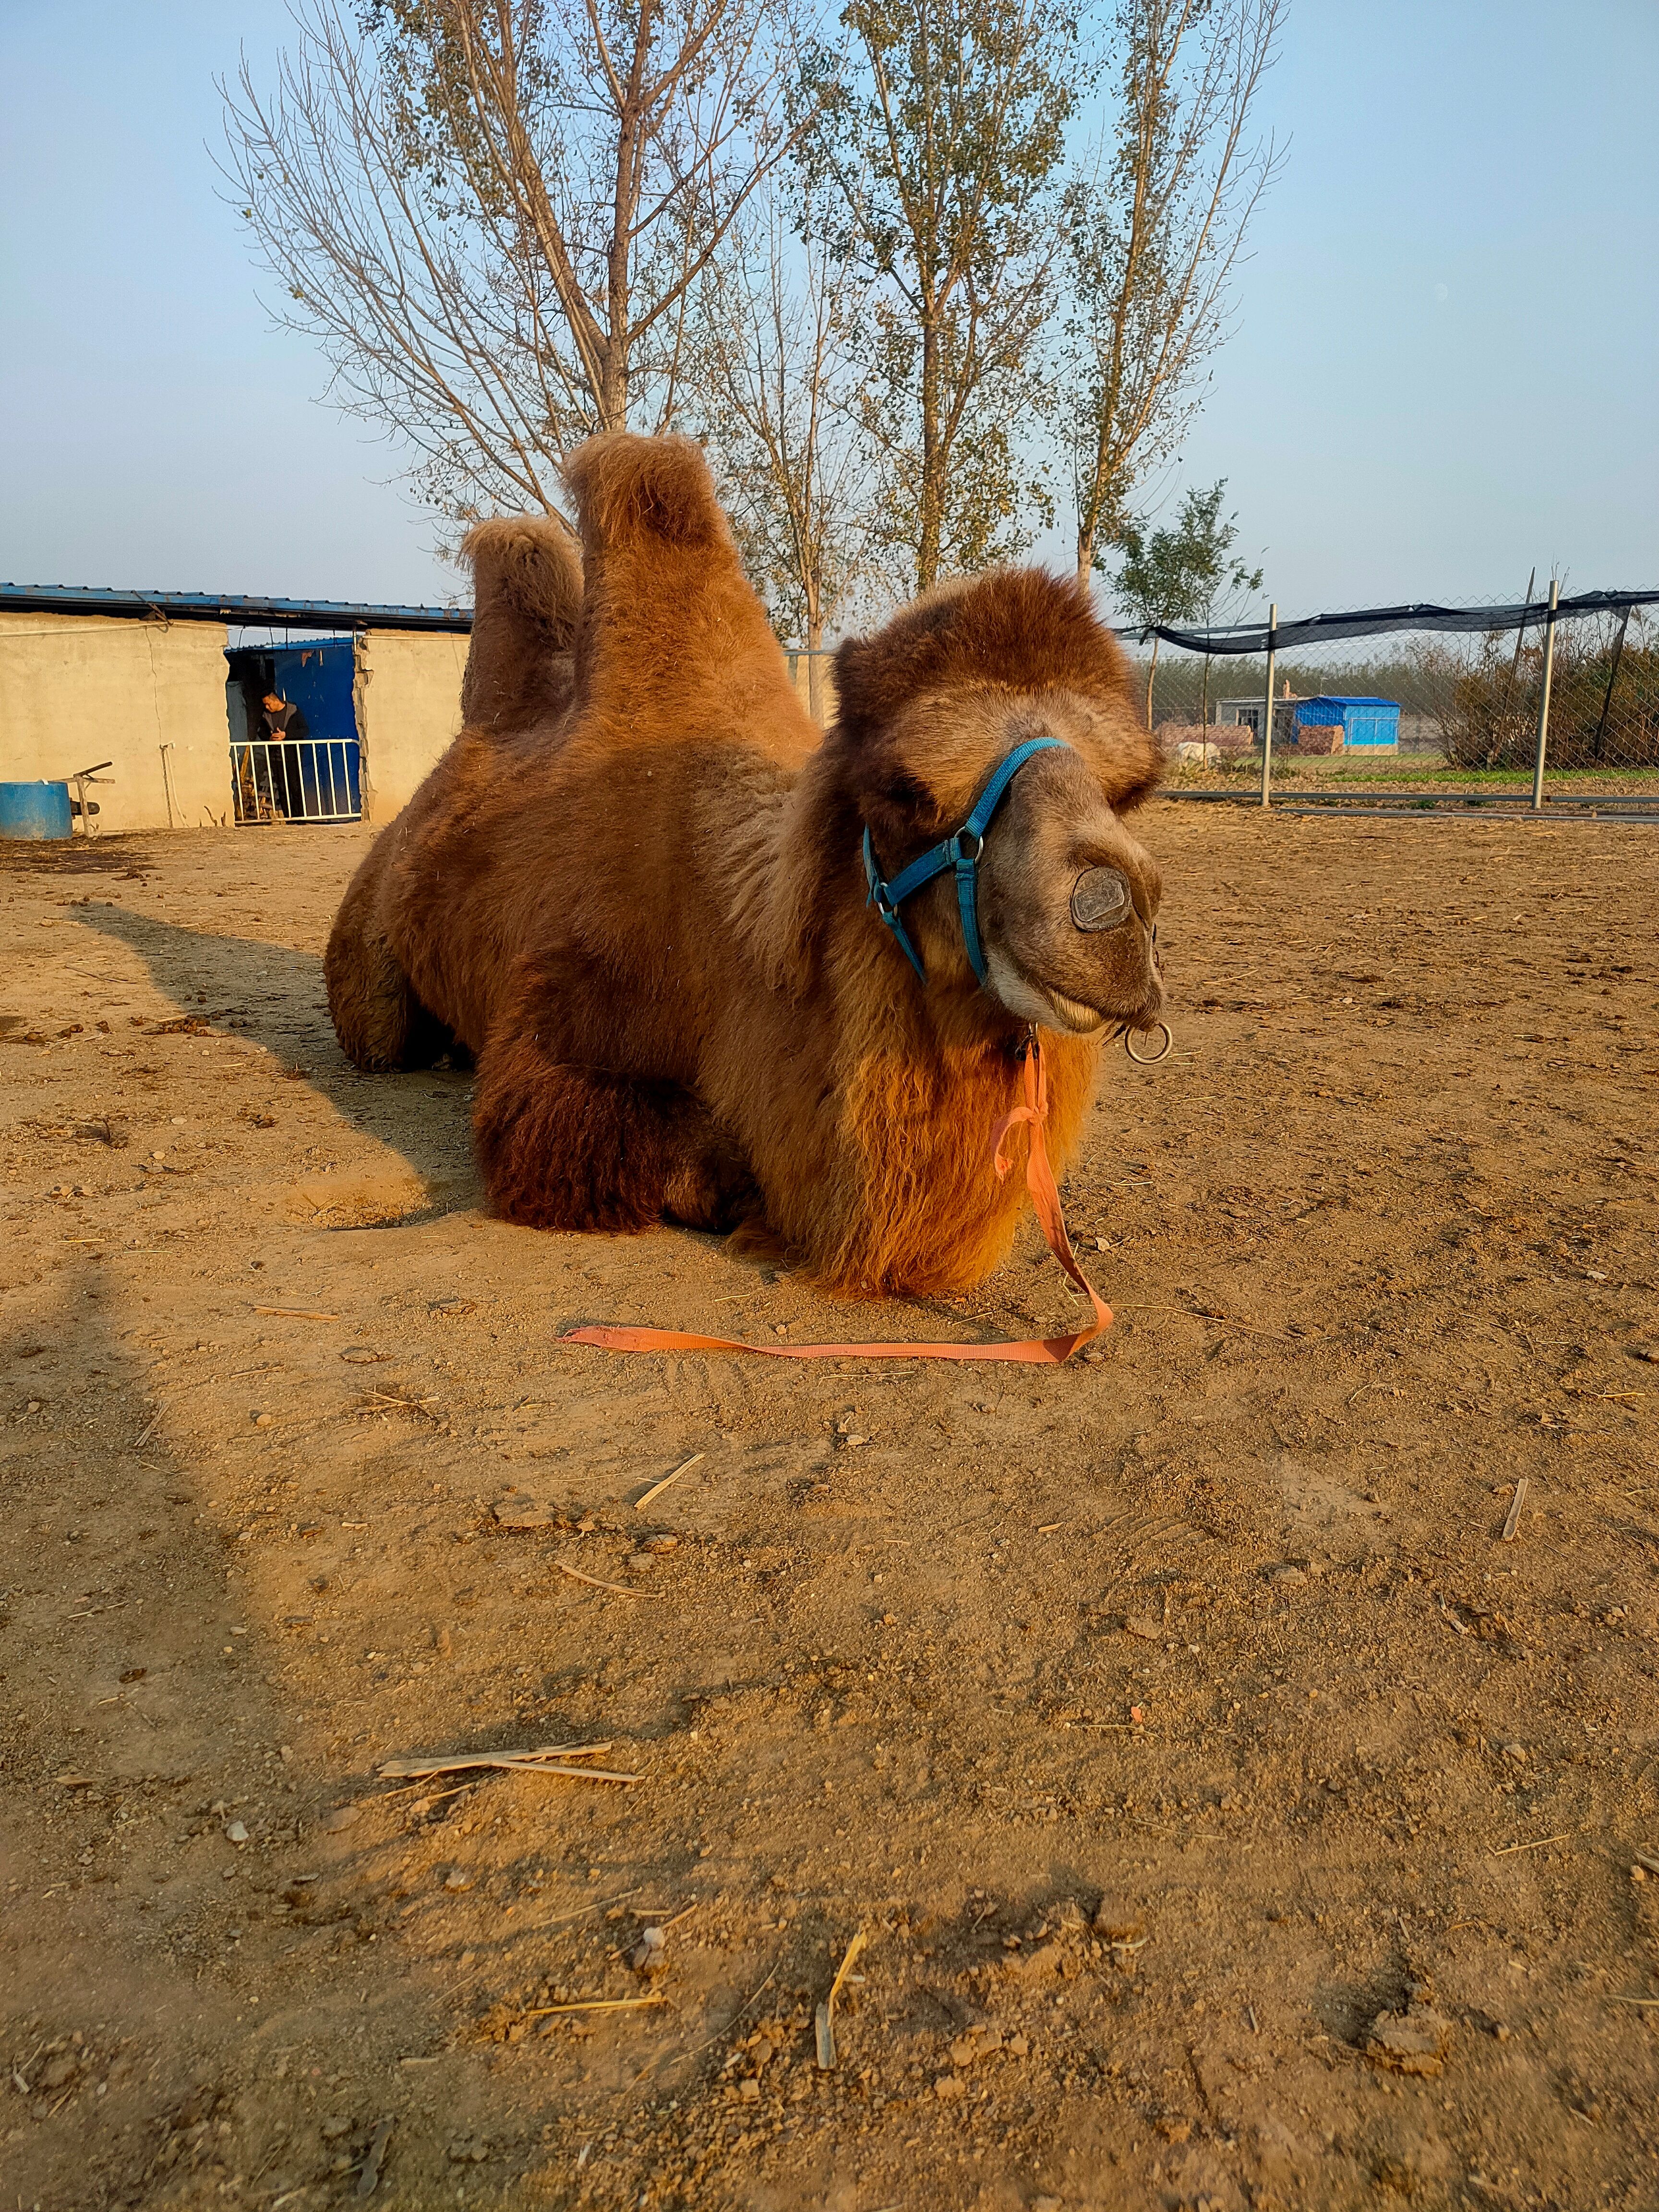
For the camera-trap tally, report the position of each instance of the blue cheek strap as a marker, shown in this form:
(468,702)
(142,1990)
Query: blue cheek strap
(959,853)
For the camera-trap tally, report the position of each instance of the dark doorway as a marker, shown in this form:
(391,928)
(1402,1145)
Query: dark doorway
(294,755)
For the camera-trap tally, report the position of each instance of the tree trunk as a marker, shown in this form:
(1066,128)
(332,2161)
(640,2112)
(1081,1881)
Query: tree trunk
(932,486)
(1152,678)
(1086,558)
(632,105)
(814,645)
(612,395)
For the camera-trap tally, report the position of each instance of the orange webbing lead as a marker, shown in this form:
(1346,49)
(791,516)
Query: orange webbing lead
(1033,1352)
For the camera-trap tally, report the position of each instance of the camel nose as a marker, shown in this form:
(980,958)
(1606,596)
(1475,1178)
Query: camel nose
(1101,899)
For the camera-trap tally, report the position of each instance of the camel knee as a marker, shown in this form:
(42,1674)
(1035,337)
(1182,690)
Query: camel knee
(710,1184)
(381,1025)
(574,1148)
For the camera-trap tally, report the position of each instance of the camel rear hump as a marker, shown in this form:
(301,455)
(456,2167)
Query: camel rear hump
(527,605)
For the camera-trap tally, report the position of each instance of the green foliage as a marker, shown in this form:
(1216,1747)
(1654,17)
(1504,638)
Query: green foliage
(1604,699)
(1151,240)
(932,162)
(1179,575)
(508,223)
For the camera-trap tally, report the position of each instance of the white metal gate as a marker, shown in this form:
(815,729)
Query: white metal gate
(296,780)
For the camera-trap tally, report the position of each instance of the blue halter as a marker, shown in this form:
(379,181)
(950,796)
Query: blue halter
(961,853)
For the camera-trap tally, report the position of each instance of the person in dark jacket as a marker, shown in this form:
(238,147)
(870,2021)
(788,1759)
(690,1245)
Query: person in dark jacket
(282,719)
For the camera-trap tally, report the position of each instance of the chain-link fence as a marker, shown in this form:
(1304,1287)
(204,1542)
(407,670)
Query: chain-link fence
(1417,693)
(1410,691)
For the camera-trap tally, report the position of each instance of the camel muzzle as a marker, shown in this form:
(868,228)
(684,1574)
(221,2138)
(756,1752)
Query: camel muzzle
(1101,899)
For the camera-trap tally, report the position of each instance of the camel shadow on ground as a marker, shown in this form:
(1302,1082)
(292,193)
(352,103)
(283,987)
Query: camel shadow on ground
(246,988)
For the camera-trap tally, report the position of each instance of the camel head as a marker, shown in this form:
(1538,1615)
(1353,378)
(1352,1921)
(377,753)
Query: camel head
(1062,900)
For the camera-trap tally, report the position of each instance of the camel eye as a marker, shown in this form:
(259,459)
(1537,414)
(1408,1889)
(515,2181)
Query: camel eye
(1099,899)
(907,793)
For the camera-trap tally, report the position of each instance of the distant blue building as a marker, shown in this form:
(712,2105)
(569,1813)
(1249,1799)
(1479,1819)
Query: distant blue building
(1374,722)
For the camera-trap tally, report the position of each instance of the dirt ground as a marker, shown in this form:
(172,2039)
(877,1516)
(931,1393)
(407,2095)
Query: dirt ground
(1232,1815)
(1418,768)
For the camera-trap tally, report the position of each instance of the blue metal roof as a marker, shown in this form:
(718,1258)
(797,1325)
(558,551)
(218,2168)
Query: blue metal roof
(1347,699)
(206,606)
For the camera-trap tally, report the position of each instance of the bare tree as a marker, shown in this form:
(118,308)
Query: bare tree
(938,139)
(1151,245)
(494,214)
(775,372)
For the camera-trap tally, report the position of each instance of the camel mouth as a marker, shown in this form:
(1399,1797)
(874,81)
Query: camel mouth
(1082,1020)
(1085,1020)
(1035,1000)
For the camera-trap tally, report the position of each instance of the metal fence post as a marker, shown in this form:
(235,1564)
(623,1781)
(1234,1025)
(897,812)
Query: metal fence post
(1544,702)
(1268,710)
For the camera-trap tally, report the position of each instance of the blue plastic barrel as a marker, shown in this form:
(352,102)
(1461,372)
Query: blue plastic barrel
(34,810)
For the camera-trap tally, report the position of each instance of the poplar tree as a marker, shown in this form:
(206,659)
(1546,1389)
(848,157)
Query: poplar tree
(936,151)
(1153,236)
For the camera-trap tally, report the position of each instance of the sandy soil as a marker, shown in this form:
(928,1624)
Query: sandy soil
(1233,1817)
(1425,770)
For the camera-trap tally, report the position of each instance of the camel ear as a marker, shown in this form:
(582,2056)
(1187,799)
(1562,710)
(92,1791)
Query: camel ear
(875,676)
(851,671)
(629,488)
(1134,768)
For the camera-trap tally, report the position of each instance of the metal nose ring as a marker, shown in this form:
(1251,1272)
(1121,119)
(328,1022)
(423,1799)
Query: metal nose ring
(1149,1059)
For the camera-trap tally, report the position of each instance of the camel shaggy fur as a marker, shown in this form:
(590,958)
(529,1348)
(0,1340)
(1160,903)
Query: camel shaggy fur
(634,890)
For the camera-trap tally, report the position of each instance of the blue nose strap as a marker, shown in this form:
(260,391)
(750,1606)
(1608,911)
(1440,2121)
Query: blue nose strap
(961,854)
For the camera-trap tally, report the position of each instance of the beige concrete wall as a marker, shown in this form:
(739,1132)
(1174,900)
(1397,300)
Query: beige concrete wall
(77,688)
(409,707)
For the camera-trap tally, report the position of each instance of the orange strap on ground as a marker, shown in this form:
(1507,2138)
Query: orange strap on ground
(1033,1352)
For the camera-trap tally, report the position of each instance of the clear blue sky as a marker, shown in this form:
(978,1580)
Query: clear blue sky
(1444,370)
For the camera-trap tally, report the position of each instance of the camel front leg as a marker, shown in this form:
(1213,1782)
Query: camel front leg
(565,1147)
